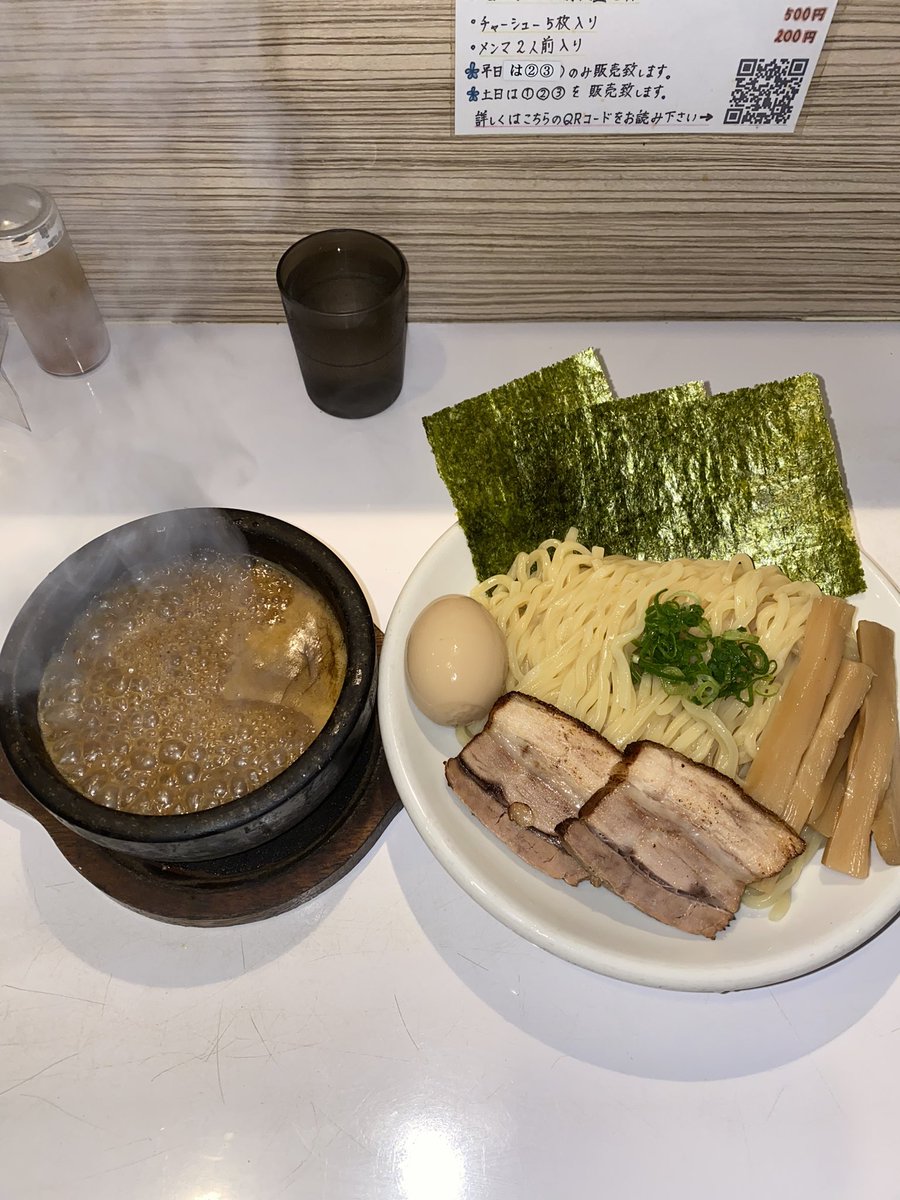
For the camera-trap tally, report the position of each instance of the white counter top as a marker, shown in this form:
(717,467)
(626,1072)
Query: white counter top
(390,1039)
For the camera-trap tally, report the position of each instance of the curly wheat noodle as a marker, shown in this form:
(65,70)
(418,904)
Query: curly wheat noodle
(571,614)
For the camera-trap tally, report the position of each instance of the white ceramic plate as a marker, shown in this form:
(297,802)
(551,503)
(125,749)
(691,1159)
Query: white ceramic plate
(830,915)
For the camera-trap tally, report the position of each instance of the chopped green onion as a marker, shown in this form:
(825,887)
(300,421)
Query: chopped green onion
(678,647)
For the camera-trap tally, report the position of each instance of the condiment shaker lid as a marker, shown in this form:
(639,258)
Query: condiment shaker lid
(30,223)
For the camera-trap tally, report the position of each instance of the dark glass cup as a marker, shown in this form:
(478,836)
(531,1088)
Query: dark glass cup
(345,294)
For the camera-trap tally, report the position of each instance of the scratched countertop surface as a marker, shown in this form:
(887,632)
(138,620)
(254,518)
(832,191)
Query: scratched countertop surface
(390,1038)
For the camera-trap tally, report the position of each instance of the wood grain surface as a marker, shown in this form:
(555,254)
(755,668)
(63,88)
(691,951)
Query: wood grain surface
(189,142)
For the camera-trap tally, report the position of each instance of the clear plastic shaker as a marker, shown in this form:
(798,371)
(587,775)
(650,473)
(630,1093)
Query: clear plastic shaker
(44,285)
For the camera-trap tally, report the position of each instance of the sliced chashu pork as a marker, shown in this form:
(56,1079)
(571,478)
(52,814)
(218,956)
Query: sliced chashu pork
(531,768)
(651,862)
(733,828)
(678,840)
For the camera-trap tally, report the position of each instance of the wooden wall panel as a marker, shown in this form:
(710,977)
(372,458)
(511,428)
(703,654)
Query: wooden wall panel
(189,141)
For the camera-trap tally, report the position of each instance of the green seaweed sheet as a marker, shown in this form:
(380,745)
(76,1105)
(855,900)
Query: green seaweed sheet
(669,474)
(479,443)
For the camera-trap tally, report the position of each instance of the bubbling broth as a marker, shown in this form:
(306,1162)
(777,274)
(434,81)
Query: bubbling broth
(191,685)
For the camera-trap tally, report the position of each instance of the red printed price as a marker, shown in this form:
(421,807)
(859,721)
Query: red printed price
(805,14)
(795,35)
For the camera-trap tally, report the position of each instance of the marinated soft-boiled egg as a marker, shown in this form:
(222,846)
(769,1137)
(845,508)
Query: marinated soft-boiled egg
(455,660)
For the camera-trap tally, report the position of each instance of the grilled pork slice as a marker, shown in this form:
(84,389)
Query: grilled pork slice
(733,830)
(675,839)
(540,757)
(678,840)
(531,768)
(558,748)
(628,878)
(541,850)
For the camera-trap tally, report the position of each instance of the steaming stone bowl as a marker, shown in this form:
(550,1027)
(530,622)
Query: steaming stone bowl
(42,625)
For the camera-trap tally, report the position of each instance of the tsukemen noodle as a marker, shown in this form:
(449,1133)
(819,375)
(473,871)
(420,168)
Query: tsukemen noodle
(191,685)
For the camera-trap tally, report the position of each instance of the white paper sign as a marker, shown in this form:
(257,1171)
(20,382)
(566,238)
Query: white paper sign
(635,66)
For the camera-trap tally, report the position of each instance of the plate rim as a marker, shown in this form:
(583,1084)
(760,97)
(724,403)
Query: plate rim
(608,962)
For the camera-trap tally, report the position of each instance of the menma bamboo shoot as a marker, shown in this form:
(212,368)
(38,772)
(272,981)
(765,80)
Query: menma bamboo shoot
(793,723)
(871,756)
(886,826)
(831,792)
(843,703)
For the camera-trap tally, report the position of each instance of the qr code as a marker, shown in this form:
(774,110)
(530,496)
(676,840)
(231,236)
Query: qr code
(765,90)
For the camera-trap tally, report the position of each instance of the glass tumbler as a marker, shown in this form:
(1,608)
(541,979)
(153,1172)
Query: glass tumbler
(345,294)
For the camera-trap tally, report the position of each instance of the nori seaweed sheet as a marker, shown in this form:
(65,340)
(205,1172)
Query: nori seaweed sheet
(478,444)
(518,478)
(677,473)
